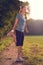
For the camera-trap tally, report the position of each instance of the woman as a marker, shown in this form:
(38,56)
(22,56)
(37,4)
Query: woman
(19,27)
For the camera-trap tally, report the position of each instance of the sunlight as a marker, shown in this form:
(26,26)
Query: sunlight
(36,8)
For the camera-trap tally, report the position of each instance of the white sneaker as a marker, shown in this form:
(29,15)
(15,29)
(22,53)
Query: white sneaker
(20,59)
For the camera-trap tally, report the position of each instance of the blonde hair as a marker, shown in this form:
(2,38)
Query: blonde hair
(21,7)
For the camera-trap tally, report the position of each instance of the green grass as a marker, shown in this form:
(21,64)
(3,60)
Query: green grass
(33,50)
(5,42)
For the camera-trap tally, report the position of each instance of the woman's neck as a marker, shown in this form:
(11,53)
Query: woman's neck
(22,13)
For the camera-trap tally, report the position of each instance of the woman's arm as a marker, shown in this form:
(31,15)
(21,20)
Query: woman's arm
(15,25)
(13,29)
(26,28)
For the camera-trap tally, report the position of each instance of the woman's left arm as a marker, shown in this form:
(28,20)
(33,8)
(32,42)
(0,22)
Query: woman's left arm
(26,28)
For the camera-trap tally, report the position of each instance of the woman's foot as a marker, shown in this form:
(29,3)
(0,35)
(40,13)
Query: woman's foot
(20,59)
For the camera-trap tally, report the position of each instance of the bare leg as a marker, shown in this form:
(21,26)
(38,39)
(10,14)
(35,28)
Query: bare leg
(19,51)
(20,54)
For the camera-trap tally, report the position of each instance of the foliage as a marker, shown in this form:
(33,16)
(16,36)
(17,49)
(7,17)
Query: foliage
(8,11)
(5,42)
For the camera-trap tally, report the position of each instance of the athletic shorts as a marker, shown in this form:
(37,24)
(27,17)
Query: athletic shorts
(19,38)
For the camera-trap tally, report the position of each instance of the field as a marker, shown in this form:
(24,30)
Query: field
(5,42)
(32,49)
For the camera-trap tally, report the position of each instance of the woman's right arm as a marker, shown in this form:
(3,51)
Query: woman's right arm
(15,25)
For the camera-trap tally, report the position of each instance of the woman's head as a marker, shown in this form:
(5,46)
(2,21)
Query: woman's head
(23,9)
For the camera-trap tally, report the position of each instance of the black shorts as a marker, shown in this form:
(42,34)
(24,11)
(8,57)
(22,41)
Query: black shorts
(19,38)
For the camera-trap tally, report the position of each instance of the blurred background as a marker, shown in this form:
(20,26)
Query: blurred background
(33,42)
(34,15)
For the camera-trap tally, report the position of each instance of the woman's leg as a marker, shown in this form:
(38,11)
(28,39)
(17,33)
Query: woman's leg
(19,51)
(19,44)
(19,58)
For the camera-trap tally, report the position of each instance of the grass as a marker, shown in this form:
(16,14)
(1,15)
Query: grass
(5,42)
(33,50)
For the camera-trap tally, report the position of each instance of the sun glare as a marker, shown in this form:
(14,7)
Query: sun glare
(36,8)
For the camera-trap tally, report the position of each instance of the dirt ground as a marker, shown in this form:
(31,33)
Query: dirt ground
(9,56)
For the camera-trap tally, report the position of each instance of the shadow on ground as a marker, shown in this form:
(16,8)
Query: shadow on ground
(17,63)
(29,61)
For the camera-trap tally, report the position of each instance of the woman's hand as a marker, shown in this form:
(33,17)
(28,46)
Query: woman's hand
(10,33)
(27,31)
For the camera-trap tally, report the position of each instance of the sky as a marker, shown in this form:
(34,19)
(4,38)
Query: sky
(36,9)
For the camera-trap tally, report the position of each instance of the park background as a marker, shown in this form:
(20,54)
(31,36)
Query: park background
(33,42)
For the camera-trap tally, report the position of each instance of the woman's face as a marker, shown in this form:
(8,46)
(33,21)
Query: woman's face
(24,10)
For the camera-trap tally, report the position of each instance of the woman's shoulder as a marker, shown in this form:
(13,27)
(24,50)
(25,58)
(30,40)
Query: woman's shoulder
(18,15)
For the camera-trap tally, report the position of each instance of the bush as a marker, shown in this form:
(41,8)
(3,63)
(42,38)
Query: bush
(9,9)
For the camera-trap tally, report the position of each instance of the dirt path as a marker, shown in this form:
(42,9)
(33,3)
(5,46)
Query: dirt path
(9,56)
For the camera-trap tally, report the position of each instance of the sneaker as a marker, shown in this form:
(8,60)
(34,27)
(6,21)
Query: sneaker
(20,59)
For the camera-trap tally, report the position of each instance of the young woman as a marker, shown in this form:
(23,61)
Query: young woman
(19,27)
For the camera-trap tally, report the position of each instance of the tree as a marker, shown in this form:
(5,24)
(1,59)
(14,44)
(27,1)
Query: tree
(8,11)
